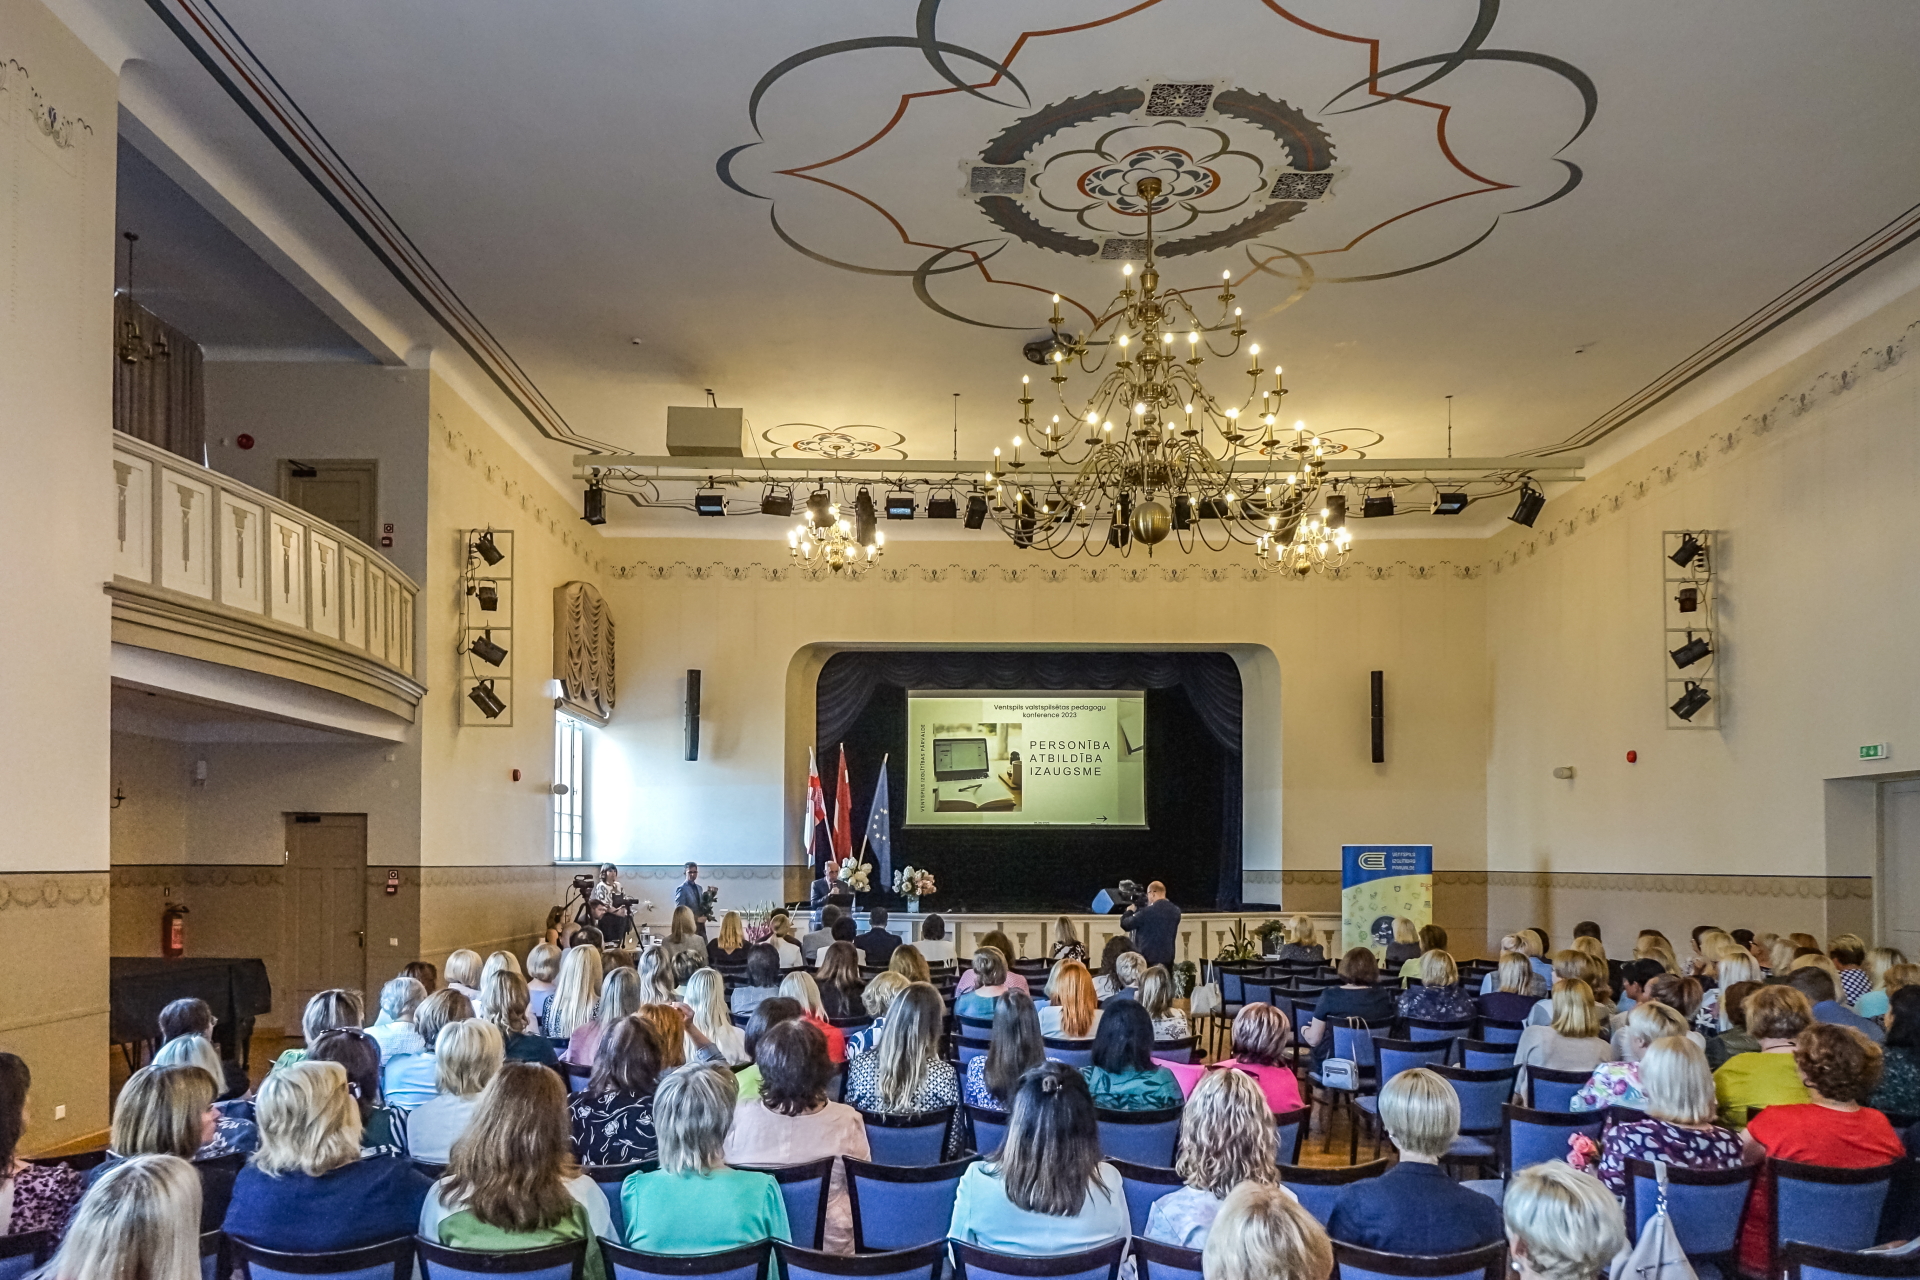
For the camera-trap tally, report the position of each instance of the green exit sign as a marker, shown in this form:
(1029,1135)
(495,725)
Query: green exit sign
(1875,751)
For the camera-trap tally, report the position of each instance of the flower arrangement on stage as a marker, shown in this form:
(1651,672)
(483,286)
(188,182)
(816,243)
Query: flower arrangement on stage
(856,876)
(757,923)
(914,882)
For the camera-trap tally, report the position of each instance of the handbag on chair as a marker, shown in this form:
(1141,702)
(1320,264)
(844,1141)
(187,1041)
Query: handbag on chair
(1342,1073)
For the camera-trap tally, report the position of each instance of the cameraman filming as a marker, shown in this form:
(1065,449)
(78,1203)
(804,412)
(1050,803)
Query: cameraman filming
(617,918)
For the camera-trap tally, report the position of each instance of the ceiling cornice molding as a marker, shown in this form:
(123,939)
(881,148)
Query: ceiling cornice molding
(1069,574)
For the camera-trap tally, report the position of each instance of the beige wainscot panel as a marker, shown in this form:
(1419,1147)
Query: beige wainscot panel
(186,520)
(353,598)
(287,570)
(323,579)
(133,517)
(242,579)
(376,611)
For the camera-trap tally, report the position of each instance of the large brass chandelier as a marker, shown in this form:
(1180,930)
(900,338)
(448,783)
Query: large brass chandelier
(1161,456)
(828,539)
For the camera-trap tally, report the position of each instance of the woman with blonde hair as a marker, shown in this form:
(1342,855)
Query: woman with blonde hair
(1405,945)
(1440,997)
(503,1002)
(543,966)
(413,1078)
(1582,967)
(656,977)
(140,1223)
(1262,1233)
(1617,1083)
(1414,1207)
(619,997)
(308,1189)
(1226,1138)
(1156,997)
(1072,1013)
(233,1128)
(498,961)
(876,998)
(1571,1041)
(1733,965)
(991,981)
(1677,1094)
(1303,941)
(1516,989)
(800,987)
(1881,961)
(463,972)
(1561,1224)
(707,997)
(910,964)
(730,947)
(576,991)
(327,1011)
(1066,943)
(168,1111)
(905,1073)
(513,1184)
(694,1203)
(1526,943)
(683,938)
(468,1057)
(785,942)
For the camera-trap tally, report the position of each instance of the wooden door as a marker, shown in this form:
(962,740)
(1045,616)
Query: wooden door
(1896,889)
(326,925)
(341,491)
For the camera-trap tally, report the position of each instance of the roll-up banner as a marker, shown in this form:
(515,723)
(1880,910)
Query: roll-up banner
(1379,882)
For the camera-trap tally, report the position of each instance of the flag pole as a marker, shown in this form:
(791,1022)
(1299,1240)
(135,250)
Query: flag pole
(868,831)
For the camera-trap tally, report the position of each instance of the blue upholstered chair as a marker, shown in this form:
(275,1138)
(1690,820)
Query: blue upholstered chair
(1706,1207)
(748,1262)
(1143,1137)
(1529,1137)
(1074,1053)
(804,1189)
(1144,1185)
(901,1207)
(611,1177)
(1157,1261)
(24,1253)
(553,1262)
(970,1262)
(1483,1095)
(1486,1055)
(1811,1262)
(1290,1133)
(1833,1208)
(1391,1057)
(1553,1090)
(1350,1262)
(213,1248)
(1494,1031)
(989,1128)
(388,1260)
(922,1263)
(1317,1189)
(917,1138)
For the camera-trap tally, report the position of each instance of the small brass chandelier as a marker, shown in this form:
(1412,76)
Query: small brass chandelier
(134,348)
(828,539)
(1162,456)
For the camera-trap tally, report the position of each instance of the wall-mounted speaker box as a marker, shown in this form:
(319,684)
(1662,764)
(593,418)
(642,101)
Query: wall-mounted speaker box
(1379,679)
(693,714)
(701,432)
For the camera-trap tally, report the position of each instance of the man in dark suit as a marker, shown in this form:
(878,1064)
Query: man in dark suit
(1154,927)
(878,943)
(811,943)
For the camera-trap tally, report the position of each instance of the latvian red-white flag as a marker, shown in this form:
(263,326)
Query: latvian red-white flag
(842,829)
(818,852)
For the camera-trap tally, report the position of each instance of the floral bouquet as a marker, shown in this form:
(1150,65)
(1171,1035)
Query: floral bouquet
(856,876)
(914,882)
(757,923)
(707,898)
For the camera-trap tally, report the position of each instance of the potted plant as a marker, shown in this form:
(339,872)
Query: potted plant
(1270,933)
(1238,946)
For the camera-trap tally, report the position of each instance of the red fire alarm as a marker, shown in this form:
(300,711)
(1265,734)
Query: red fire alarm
(393,883)
(1633,757)
(516,775)
(244,440)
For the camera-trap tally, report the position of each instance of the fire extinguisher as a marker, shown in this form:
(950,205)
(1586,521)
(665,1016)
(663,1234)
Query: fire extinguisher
(173,931)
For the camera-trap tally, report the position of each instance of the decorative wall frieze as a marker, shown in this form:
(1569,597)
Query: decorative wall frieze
(467,877)
(148,875)
(1829,887)
(535,500)
(52,890)
(1054,574)
(55,126)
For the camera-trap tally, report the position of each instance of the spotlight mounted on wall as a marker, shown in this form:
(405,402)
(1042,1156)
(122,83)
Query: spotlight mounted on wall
(1687,600)
(865,522)
(1688,549)
(1335,516)
(484,648)
(483,697)
(1374,508)
(1691,702)
(488,594)
(484,548)
(593,508)
(819,505)
(1691,652)
(1527,510)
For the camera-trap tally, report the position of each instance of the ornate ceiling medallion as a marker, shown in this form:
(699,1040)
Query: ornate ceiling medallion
(811,440)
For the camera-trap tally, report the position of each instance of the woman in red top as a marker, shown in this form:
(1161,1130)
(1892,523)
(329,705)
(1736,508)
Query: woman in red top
(1841,1067)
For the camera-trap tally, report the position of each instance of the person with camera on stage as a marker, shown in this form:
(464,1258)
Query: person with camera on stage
(1154,926)
(610,908)
(691,896)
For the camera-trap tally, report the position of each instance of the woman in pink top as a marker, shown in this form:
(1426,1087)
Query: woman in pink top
(1261,1034)
(619,996)
(791,1122)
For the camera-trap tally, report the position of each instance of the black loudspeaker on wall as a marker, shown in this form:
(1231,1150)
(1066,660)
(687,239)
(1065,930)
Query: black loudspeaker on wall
(1379,717)
(693,714)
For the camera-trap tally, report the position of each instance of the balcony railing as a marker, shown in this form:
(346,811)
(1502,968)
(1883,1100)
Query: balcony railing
(206,567)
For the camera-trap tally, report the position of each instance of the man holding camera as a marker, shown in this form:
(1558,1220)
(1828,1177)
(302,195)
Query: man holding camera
(615,914)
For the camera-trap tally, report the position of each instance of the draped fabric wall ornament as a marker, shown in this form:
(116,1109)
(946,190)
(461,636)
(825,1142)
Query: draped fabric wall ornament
(163,400)
(583,651)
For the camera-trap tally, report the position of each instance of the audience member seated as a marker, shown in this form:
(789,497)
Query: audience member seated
(1046,1191)
(1439,997)
(990,982)
(1357,996)
(1517,988)
(1735,1038)
(192,1017)
(878,943)
(1066,943)
(784,941)
(543,969)
(327,1011)
(168,1111)
(1432,938)
(1123,1076)
(876,998)
(1733,967)
(1881,962)
(612,1118)
(1562,1224)
(424,972)
(1817,985)
(1414,1207)
(935,946)
(694,1203)
(463,972)
(1262,1233)
(414,1078)
(707,998)
(143,1223)
(1617,1083)
(1653,945)
(838,978)
(1571,1042)
(1776,1015)
(906,1074)
(233,1129)
(910,964)
(382,1130)
(619,998)
(307,1190)
(40,1196)
(1014,1049)
(762,980)
(845,929)
(804,991)
(1106,979)
(1526,943)
(1681,994)
(812,944)
(1634,977)
(512,1184)
(1226,1138)
(998,941)
(503,1002)
(1899,1091)
(576,994)
(792,1122)
(1156,996)
(1124,983)
(1677,1095)
(497,962)
(1261,1036)
(1841,1068)
(468,1055)
(656,977)
(587,936)
(730,947)
(1849,955)
(1073,1011)
(773,1011)
(1405,945)
(1583,967)
(1302,942)
(684,938)
(394,1030)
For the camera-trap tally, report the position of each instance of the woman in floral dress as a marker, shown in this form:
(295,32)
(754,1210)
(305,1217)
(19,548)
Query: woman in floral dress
(1617,1084)
(1679,1127)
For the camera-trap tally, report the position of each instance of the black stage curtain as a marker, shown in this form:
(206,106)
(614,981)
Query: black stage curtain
(1192,840)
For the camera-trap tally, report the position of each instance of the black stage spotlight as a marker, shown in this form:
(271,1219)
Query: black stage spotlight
(1691,701)
(1527,510)
(818,504)
(1373,508)
(1213,509)
(486,699)
(1691,652)
(943,507)
(777,501)
(709,502)
(488,552)
(1449,504)
(900,504)
(1336,516)
(976,510)
(865,522)
(488,593)
(1182,511)
(593,508)
(1689,548)
(1688,600)
(487,651)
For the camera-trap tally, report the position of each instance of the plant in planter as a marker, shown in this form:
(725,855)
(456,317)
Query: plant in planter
(1238,946)
(1271,935)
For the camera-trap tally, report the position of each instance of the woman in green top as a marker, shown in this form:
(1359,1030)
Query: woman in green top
(1123,1077)
(1749,1081)
(512,1183)
(328,1011)
(771,1012)
(694,1203)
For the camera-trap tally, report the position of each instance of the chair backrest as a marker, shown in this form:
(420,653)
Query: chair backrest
(388,1260)
(1482,1095)
(1356,1042)
(1157,1261)
(1180,1050)
(1553,1090)
(1811,1262)
(1495,1031)
(213,1245)
(922,1263)
(1317,1188)
(1705,1205)
(1422,1029)
(915,1139)
(1075,1053)
(971,1049)
(989,1128)
(24,1253)
(1395,1056)
(901,1208)
(429,1170)
(1289,1131)
(748,1262)
(982,1025)
(1144,1137)
(1836,1208)
(1486,1055)
(1144,1184)
(1258,989)
(611,1177)
(1529,1137)
(577,1077)
(971,1262)
(804,1188)
(1350,1262)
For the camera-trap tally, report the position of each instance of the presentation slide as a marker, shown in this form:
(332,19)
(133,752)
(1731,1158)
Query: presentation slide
(1017,759)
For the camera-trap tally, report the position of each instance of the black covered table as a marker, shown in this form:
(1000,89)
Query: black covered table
(139,987)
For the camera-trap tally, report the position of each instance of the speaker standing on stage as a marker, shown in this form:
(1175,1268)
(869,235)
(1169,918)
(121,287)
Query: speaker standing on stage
(1154,926)
(692,897)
